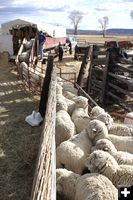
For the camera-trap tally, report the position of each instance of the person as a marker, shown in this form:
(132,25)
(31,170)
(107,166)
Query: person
(70,47)
(41,39)
(60,51)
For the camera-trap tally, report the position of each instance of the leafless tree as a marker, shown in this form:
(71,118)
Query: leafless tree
(75,18)
(131,14)
(103,24)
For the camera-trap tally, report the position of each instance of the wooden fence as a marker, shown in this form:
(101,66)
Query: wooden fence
(44,184)
(104,85)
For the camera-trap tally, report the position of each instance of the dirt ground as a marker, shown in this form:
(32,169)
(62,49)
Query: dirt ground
(18,141)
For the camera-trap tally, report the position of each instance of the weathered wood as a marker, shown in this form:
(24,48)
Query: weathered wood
(104,79)
(121,102)
(44,184)
(84,66)
(45,87)
(121,90)
(99,61)
(122,79)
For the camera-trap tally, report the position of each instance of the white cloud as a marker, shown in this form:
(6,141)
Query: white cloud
(57,11)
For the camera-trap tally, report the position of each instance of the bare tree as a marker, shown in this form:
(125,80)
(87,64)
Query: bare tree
(104,23)
(131,14)
(75,18)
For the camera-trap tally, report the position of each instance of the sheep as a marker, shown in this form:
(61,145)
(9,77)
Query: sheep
(27,73)
(81,102)
(80,116)
(71,154)
(96,110)
(103,163)
(64,127)
(65,184)
(80,119)
(106,118)
(121,130)
(113,128)
(69,95)
(120,156)
(70,104)
(93,186)
(97,130)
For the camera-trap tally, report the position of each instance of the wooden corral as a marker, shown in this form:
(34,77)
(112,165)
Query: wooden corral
(103,85)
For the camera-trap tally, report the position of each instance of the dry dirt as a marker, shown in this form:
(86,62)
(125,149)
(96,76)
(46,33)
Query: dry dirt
(18,141)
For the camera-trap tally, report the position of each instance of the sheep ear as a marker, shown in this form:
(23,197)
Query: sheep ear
(106,149)
(94,130)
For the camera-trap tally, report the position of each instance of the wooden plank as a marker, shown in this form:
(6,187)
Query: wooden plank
(126,68)
(121,102)
(83,65)
(121,90)
(104,79)
(123,79)
(99,61)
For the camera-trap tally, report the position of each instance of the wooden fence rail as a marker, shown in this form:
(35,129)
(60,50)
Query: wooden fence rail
(44,184)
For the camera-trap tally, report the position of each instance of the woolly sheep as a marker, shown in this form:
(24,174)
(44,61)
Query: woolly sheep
(102,162)
(61,104)
(97,130)
(106,118)
(77,102)
(64,127)
(29,74)
(65,184)
(69,95)
(121,130)
(70,104)
(120,156)
(80,119)
(93,186)
(71,154)
(113,128)
(96,110)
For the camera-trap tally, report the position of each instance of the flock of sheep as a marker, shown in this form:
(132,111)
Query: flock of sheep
(94,155)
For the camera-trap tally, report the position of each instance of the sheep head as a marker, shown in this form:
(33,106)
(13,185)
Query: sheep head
(96,130)
(96,110)
(102,162)
(61,104)
(80,101)
(66,183)
(106,118)
(105,145)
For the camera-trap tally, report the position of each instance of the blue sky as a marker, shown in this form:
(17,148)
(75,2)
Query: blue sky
(57,12)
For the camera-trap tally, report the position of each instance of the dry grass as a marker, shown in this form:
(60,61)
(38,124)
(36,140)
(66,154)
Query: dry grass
(18,141)
(101,39)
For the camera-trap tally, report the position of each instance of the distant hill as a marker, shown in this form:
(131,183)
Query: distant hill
(112,31)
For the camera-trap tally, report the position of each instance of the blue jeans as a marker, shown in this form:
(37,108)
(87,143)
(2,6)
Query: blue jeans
(41,47)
